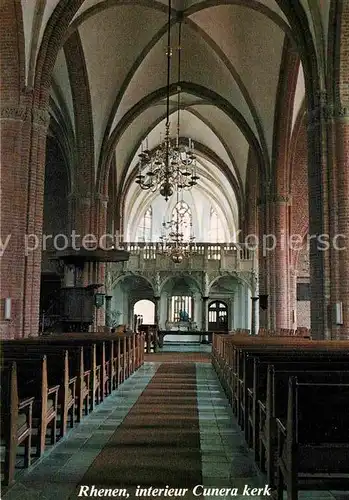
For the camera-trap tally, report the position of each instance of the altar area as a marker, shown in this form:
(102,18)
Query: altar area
(183,332)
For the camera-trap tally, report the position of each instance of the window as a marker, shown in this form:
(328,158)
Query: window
(182,214)
(216,231)
(144,228)
(181,308)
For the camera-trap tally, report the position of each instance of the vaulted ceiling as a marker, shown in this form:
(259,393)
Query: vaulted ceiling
(231,59)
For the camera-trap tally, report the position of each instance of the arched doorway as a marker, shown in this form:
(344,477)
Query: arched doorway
(144,312)
(218,316)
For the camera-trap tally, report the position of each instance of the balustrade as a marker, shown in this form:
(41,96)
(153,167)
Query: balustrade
(220,256)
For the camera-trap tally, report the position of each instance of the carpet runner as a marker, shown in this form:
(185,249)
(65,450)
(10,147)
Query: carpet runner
(158,443)
(178,357)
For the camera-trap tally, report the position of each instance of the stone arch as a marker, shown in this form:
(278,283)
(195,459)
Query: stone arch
(183,275)
(129,275)
(216,279)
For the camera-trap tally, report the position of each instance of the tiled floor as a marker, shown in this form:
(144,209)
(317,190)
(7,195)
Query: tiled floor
(226,462)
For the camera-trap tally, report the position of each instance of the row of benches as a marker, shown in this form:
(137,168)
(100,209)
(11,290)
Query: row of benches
(290,396)
(50,382)
(285,332)
(279,332)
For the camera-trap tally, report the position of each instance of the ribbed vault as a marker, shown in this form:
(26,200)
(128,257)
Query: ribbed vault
(231,53)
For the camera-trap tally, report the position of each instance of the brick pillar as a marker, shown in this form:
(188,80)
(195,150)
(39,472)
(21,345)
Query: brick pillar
(280,302)
(88,214)
(342,171)
(263,261)
(335,278)
(318,217)
(100,227)
(293,298)
(23,139)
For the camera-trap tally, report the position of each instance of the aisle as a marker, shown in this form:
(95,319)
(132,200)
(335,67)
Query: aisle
(169,424)
(158,443)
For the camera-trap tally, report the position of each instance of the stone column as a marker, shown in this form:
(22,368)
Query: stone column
(254,315)
(231,313)
(204,323)
(169,308)
(157,312)
(108,310)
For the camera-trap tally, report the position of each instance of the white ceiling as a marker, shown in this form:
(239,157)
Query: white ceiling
(231,55)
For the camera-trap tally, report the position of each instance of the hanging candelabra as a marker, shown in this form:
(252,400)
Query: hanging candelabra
(172,166)
(177,239)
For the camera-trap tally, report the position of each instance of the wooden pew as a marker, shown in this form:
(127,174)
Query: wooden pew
(275,403)
(58,370)
(234,357)
(121,356)
(253,376)
(119,360)
(106,352)
(92,370)
(78,376)
(32,381)
(313,443)
(255,386)
(290,346)
(16,421)
(123,341)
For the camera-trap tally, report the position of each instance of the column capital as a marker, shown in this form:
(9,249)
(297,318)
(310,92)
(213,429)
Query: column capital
(12,112)
(21,112)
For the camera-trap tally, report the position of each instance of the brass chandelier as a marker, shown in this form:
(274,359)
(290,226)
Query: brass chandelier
(173,241)
(172,166)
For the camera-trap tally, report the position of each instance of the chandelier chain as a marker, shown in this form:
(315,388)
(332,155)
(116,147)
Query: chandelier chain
(172,166)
